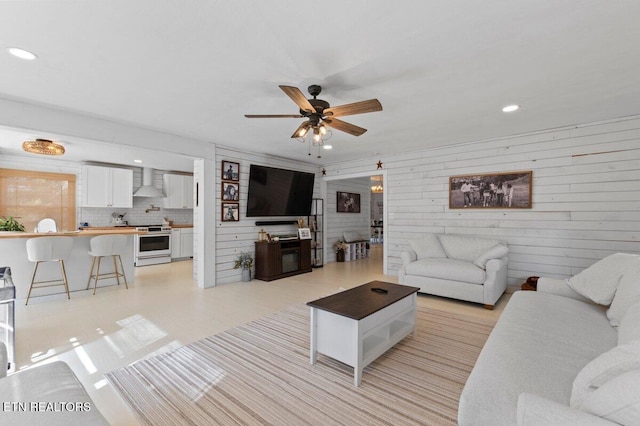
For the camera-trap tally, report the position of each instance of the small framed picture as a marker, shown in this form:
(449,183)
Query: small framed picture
(230,212)
(230,191)
(304,233)
(230,171)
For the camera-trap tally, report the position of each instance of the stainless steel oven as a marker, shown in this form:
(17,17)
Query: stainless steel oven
(154,247)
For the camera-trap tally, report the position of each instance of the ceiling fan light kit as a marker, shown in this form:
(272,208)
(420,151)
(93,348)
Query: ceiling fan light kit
(321,115)
(43,147)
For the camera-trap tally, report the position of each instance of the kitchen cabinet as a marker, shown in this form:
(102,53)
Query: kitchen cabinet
(179,191)
(186,242)
(107,187)
(181,243)
(175,243)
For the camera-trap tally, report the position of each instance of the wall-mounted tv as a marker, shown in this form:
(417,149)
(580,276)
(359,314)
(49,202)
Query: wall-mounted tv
(279,192)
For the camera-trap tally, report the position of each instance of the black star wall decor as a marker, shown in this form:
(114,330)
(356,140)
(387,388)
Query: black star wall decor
(379,164)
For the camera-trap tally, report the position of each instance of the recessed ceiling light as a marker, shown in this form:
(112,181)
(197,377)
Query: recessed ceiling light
(21,53)
(327,146)
(511,108)
(137,161)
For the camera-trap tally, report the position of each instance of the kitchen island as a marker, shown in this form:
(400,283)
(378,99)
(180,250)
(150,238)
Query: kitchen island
(14,255)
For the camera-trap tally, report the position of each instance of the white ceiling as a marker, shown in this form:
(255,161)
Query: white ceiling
(441,69)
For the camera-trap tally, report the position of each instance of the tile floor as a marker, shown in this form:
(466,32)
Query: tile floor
(165,309)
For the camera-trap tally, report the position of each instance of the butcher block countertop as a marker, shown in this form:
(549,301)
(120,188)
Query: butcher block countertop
(88,232)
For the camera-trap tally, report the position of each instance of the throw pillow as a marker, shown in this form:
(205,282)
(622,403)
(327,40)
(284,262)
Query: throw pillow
(605,367)
(351,236)
(427,246)
(617,400)
(629,329)
(599,281)
(627,293)
(495,252)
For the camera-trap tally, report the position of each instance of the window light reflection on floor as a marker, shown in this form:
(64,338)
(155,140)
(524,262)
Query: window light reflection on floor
(136,333)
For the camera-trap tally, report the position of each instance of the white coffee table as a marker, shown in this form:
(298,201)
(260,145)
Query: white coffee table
(357,326)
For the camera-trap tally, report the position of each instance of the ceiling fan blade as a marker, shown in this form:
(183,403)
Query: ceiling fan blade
(355,108)
(273,116)
(298,97)
(352,129)
(299,131)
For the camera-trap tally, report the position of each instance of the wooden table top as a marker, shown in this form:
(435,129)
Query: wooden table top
(83,233)
(360,302)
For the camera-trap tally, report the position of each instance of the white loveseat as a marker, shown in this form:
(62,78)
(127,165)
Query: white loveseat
(457,266)
(49,394)
(556,357)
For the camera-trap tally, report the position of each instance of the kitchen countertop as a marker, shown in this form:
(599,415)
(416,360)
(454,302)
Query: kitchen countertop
(184,225)
(90,232)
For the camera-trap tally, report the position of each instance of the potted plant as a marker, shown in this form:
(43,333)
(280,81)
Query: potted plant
(340,247)
(10,224)
(244,261)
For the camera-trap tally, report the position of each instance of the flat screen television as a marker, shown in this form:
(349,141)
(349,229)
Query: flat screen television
(279,192)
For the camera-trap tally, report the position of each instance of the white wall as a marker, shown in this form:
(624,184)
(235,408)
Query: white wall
(233,238)
(586,196)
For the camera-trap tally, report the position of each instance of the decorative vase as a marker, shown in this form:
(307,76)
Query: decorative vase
(340,256)
(246,274)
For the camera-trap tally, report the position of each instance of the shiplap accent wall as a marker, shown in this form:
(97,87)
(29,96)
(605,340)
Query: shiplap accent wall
(341,222)
(586,196)
(233,238)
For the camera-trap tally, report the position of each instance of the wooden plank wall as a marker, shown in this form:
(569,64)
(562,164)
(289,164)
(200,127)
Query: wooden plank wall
(586,196)
(232,238)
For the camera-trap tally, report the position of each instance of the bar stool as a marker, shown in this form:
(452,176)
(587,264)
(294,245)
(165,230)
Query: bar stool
(47,225)
(8,298)
(48,249)
(106,245)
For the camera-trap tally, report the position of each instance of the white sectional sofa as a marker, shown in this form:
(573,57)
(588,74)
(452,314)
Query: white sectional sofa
(49,394)
(558,356)
(457,266)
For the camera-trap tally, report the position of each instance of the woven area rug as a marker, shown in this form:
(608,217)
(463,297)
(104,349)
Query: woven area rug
(259,374)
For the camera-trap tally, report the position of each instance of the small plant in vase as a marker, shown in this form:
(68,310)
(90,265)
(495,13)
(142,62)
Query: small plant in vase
(244,261)
(10,224)
(340,247)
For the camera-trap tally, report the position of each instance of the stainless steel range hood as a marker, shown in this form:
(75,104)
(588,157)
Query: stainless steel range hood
(147,189)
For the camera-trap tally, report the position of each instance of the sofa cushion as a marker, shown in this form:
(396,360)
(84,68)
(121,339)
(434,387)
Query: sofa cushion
(629,329)
(627,293)
(464,247)
(427,246)
(605,367)
(617,400)
(447,269)
(599,281)
(496,252)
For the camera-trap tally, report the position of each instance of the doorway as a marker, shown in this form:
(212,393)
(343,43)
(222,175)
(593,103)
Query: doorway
(336,222)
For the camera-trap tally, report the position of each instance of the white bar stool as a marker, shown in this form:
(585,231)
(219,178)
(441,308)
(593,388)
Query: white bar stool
(48,249)
(46,225)
(106,245)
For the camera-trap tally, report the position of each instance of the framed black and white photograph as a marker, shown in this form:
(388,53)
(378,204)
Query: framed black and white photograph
(347,202)
(230,212)
(510,190)
(304,233)
(230,171)
(230,191)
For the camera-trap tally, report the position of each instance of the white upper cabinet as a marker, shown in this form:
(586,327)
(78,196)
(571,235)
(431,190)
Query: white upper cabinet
(179,190)
(107,187)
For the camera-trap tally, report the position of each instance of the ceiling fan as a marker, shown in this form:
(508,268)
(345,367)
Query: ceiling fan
(320,114)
